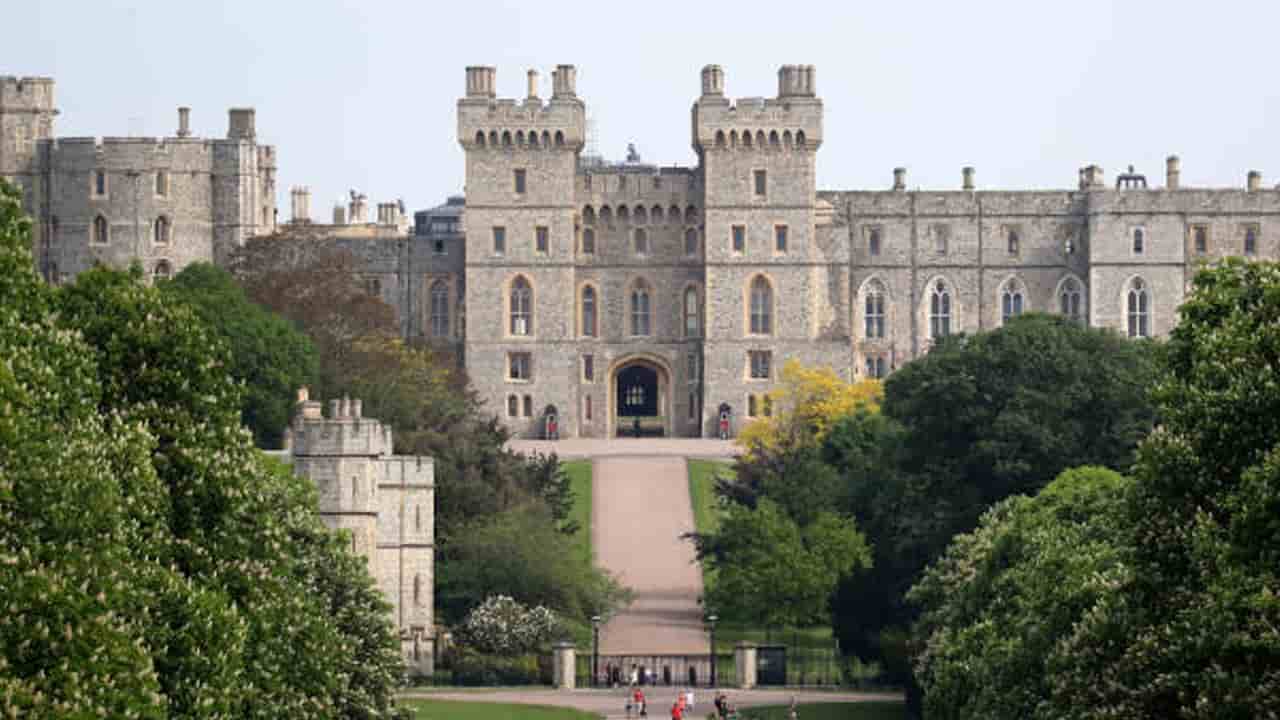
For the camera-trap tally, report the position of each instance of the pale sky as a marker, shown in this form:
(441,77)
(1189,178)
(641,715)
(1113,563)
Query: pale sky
(362,94)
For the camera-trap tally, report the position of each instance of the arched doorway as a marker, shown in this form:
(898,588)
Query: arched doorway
(639,394)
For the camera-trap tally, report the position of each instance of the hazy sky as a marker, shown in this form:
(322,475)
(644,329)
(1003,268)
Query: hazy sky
(362,94)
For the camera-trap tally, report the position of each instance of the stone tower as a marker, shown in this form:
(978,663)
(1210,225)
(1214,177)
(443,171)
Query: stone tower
(386,503)
(520,225)
(27,113)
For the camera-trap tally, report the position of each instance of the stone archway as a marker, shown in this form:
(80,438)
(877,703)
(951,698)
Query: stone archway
(640,389)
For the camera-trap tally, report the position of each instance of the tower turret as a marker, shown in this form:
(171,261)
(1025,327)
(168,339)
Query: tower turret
(27,113)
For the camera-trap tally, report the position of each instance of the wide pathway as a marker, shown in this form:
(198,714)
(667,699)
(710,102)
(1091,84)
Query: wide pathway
(611,703)
(623,447)
(640,510)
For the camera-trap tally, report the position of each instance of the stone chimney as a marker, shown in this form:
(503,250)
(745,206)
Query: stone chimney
(184,122)
(564,81)
(240,125)
(339,214)
(533,84)
(899,179)
(1093,178)
(1253,182)
(796,81)
(300,198)
(1172,172)
(712,81)
(966,173)
(481,81)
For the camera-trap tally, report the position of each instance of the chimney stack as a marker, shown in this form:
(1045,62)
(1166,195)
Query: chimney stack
(1172,172)
(339,214)
(240,125)
(899,179)
(1093,178)
(967,174)
(1254,182)
(712,81)
(184,122)
(564,81)
(301,204)
(533,85)
(481,81)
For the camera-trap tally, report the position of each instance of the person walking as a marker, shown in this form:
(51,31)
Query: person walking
(688,700)
(641,706)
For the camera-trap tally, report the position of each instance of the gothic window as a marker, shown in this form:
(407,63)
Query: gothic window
(1011,300)
(163,271)
(640,308)
(521,307)
(161,235)
(541,239)
(519,366)
(800,142)
(642,241)
(873,314)
(875,366)
(939,311)
(656,214)
(1251,240)
(480,138)
(440,309)
(746,138)
(691,242)
(559,138)
(588,368)
(761,364)
(1139,309)
(533,138)
(1200,235)
(1139,240)
(691,324)
(162,183)
(720,138)
(101,231)
(739,238)
(528,406)
(780,238)
(873,241)
(1069,300)
(761,306)
(519,137)
(773,138)
(760,138)
(589,327)
(513,406)
(499,240)
(589,215)
(589,241)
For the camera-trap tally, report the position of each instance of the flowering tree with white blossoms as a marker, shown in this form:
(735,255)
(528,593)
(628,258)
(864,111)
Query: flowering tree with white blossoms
(503,626)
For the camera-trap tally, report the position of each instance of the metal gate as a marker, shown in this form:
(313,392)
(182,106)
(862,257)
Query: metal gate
(771,665)
(659,670)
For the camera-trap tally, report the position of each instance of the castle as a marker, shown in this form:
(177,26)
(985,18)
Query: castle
(623,296)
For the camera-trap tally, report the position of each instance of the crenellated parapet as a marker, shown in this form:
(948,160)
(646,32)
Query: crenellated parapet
(343,433)
(529,124)
(30,94)
(790,122)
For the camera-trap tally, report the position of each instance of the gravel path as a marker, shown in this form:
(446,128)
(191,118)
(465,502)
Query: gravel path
(640,509)
(611,703)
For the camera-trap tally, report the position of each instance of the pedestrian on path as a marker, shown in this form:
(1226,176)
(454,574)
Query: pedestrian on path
(641,704)
(688,700)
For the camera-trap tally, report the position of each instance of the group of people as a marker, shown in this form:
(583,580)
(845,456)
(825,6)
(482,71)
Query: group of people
(637,704)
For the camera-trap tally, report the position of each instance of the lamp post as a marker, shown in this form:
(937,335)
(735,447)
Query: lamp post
(711,621)
(595,649)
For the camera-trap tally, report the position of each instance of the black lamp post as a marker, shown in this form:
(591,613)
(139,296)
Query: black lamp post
(711,621)
(595,649)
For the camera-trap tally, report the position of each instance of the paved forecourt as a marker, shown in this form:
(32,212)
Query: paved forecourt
(612,703)
(637,447)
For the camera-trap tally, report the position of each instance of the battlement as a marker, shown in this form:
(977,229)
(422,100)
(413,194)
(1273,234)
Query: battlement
(486,121)
(790,121)
(414,471)
(26,93)
(343,433)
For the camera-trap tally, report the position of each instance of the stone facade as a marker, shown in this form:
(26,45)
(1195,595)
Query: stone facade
(386,502)
(165,202)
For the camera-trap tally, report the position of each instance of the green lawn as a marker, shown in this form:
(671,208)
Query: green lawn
(579,472)
(832,711)
(702,491)
(454,710)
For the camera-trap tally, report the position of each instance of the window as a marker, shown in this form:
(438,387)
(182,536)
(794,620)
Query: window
(589,241)
(499,240)
(161,232)
(875,366)
(438,246)
(373,285)
(540,239)
(1014,241)
(751,406)
(873,314)
(940,311)
(1010,301)
(761,182)
(513,406)
(739,238)
(99,182)
(691,365)
(162,271)
(520,181)
(440,309)
(1139,240)
(693,405)
(162,183)
(1069,300)
(691,241)
(941,238)
(1251,240)
(1200,235)
(691,325)
(588,368)
(518,366)
(1139,307)
(101,231)
(586,407)
(873,241)
(521,307)
(528,406)
(589,322)
(761,362)
(780,238)
(640,300)
(642,241)
(761,307)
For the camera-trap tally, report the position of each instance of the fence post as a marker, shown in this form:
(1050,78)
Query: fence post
(744,664)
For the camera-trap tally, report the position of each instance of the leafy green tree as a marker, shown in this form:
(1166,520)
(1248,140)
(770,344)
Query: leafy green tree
(1193,629)
(771,572)
(998,603)
(268,354)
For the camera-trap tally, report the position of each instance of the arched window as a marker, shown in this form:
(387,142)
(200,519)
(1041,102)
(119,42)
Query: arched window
(546,138)
(940,311)
(480,138)
(641,215)
(800,138)
(733,138)
(440,309)
(1139,307)
(528,406)
(673,215)
(506,138)
(513,406)
(746,138)
(761,306)
(691,241)
(589,241)
(493,138)
(162,271)
(519,137)
(692,326)
(786,138)
(720,138)
(624,215)
(1069,300)
(521,307)
(1011,300)
(589,327)
(760,138)
(655,215)
(606,215)
(559,138)
(691,215)
(589,215)
(873,311)
(101,231)
(533,138)
(773,138)
(1139,240)
(161,234)
(640,308)
(642,242)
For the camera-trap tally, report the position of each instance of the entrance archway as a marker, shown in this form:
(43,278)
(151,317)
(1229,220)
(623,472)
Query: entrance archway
(639,392)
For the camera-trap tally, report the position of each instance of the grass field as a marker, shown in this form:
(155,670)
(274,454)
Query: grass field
(453,710)
(579,472)
(702,491)
(831,711)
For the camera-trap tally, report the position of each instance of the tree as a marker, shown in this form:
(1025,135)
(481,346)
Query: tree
(997,604)
(771,572)
(808,403)
(1193,629)
(271,357)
